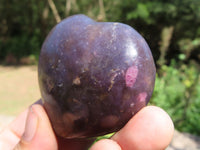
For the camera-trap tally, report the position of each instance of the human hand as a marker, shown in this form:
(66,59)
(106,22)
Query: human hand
(150,129)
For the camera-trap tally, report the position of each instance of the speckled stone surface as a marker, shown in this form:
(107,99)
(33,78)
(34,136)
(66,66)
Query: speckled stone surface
(94,76)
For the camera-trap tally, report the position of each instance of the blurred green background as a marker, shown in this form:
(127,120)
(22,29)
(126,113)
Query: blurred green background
(171,28)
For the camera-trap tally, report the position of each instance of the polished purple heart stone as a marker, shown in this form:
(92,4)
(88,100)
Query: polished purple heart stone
(94,76)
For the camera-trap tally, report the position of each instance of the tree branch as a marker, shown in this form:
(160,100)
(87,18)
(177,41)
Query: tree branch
(102,15)
(68,7)
(55,12)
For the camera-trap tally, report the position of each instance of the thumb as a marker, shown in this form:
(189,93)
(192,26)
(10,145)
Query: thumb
(38,132)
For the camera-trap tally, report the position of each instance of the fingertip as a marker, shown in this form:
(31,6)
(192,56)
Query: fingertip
(150,129)
(44,137)
(106,144)
(18,124)
(31,126)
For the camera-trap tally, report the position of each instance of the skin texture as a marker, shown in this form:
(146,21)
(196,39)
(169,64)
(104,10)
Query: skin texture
(150,129)
(94,76)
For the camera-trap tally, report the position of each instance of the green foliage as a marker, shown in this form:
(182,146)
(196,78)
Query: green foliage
(25,24)
(177,91)
(141,11)
(21,31)
(151,17)
(104,136)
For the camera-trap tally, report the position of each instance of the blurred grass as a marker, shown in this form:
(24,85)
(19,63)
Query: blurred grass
(18,88)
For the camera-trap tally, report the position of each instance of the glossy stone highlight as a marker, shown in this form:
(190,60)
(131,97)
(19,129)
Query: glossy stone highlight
(94,76)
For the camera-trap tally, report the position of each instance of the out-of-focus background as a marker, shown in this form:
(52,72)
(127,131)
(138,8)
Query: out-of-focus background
(171,28)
